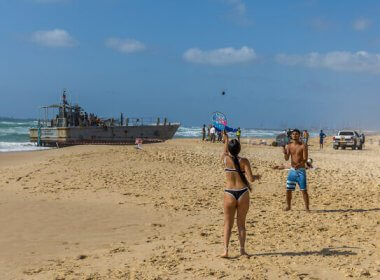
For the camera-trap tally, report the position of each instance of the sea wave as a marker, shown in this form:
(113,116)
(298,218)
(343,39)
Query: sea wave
(188,132)
(196,132)
(17,123)
(19,147)
(260,133)
(14,130)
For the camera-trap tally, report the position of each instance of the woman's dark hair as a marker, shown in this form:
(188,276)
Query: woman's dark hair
(234,149)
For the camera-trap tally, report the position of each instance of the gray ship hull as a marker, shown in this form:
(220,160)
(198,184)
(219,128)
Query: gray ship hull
(64,136)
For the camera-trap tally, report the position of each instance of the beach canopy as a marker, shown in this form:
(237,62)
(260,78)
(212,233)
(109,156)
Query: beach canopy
(227,128)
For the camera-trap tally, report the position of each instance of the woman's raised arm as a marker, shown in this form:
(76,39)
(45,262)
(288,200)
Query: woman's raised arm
(225,140)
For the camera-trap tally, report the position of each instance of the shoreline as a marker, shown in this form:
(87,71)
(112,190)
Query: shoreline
(244,140)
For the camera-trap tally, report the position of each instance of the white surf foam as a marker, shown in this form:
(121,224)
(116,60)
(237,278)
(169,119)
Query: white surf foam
(14,130)
(196,132)
(19,147)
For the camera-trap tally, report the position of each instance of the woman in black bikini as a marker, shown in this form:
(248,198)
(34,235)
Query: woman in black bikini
(236,194)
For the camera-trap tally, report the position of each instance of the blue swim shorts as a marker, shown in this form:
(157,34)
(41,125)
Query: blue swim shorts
(296,176)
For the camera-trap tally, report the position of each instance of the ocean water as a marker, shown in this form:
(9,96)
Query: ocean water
(196,132)
(14,134)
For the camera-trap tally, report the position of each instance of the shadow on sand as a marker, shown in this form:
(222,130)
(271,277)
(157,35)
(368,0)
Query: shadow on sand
(345,210)
(325,252)
(342,251)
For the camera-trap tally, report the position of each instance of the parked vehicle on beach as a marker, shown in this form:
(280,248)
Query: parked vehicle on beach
(348,138)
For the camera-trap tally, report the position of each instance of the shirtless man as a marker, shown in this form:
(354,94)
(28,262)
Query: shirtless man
(298,154)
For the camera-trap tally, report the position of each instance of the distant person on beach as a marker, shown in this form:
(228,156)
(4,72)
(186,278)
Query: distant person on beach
(305,136)
(322,137)
(298,154)
(362,138)
(238,134)
(212,134)
(138,143)
(219,136)
(208,133)
(236,194)
(204,132)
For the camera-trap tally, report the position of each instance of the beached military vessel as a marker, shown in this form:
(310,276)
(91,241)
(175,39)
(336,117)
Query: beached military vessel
(71,125)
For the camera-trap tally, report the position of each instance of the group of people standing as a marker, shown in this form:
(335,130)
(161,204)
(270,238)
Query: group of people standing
(212,134)
(239,175)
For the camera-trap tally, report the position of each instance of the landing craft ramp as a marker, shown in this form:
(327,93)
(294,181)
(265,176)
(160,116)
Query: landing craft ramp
(73,126)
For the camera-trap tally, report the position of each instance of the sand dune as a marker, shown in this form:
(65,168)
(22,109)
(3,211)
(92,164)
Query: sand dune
(115,212)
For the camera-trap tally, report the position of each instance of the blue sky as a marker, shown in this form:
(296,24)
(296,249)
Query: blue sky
(281,63)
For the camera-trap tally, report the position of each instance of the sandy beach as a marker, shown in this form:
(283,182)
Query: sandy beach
(115,212)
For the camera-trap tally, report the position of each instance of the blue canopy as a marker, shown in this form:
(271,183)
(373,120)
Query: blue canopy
(227,128)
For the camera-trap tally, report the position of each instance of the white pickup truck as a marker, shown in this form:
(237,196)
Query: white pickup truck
(348,138)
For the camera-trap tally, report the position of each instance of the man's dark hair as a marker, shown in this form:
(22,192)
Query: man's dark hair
(296,130)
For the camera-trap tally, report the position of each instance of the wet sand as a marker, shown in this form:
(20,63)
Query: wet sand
(115,212)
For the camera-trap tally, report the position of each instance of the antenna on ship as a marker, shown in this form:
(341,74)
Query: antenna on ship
(65,97)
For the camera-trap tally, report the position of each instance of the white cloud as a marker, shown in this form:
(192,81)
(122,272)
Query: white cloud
(53,38)
(361,24)
(340,61)
(321,23)
(220,56)
(125,45)
(239,11)
(238,6)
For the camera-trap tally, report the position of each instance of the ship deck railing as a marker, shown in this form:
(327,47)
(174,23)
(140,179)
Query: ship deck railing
(142,121)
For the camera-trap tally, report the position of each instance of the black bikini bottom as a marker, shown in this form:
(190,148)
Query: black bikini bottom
(237,193)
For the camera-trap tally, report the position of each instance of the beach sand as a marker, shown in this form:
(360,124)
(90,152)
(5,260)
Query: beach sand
(115,212)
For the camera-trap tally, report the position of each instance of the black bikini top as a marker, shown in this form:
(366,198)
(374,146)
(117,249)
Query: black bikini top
(227,169)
